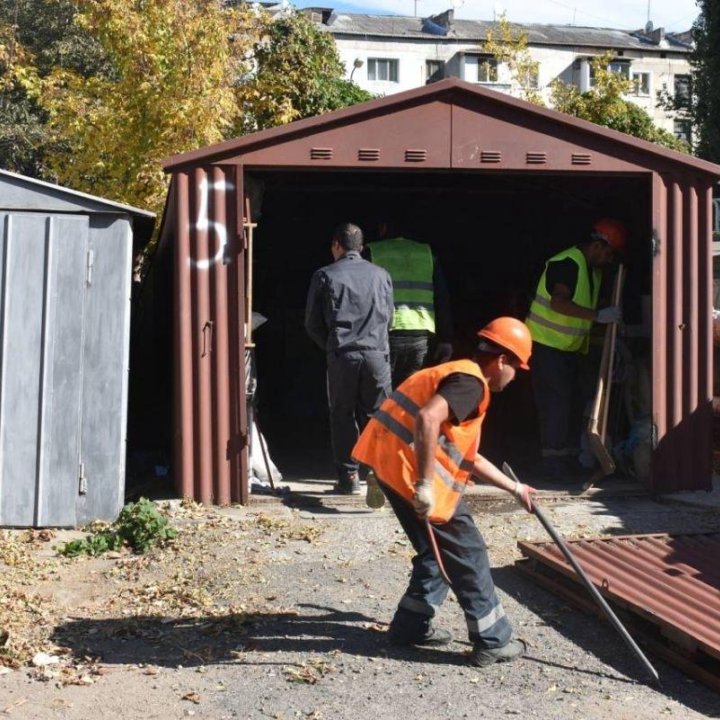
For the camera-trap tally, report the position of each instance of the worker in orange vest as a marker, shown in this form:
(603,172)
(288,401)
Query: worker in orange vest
(422,445)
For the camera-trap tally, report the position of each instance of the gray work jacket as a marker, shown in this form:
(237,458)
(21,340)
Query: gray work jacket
(350,305)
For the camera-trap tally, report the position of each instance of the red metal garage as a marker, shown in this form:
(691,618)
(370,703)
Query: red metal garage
(495,184)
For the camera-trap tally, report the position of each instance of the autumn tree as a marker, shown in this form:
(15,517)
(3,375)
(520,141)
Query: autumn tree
(97,93)
(604,104)
(35,37)
(171,87)
(510,46)
(297,73)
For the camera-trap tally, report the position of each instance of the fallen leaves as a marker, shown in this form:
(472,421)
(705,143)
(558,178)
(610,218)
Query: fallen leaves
(197,580)
(13,706)
(309,672)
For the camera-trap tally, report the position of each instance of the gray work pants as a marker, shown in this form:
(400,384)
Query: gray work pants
(464,555)
(408,354)
(357,383)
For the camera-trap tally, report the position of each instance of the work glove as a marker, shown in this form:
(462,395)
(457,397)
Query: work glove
(375,497)
(523,494)
(424,497)
(610,314)
(442,353)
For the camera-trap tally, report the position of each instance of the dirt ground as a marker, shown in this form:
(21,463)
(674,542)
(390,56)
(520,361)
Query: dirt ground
(273,612)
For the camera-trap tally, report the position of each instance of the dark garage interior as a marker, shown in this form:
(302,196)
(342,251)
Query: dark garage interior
(491,234)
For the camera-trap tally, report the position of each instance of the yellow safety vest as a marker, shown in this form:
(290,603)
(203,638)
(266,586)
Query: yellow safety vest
(554,329)
(387,444)
(410,265)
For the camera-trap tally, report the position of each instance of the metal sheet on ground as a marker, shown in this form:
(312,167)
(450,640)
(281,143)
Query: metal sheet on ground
(669,583)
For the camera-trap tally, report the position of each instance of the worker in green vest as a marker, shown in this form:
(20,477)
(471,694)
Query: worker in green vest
(421,328)
(560,319)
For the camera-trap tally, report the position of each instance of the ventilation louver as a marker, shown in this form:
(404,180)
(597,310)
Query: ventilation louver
(321,153)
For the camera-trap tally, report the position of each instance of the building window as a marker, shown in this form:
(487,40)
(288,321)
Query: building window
(487,69)
(641,83)
(621,67)
(383,69)
(434,70)
(682,129)
(531,77)
(683,89)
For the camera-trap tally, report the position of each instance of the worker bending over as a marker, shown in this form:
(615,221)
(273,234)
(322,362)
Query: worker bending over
(560,319)
(423,447)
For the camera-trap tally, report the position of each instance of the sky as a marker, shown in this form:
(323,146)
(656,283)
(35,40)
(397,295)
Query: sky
(673,15)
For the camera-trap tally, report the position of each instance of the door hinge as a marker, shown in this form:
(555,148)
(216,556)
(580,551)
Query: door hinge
(89,266)
(653,436)
(82,484)
(655,244)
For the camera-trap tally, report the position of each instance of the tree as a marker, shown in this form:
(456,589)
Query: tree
(604,104)
(35,37)
(298,73)
(705,106)
(511,47)
(171,88)
(95,94)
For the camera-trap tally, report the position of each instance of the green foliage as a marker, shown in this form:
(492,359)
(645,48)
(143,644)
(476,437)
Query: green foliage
(604,104)
(705,107)
(298,74)
(139,527)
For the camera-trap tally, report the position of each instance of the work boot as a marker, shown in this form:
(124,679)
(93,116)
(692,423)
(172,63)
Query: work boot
(375,497)
(348,486)
(484,657)
(432,637)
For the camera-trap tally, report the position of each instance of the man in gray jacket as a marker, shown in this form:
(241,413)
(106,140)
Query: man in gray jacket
(348,313)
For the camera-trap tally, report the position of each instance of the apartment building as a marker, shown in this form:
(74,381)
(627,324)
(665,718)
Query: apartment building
(387,54)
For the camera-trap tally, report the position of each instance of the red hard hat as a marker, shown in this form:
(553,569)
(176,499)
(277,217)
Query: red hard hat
(613,232)
(510,334)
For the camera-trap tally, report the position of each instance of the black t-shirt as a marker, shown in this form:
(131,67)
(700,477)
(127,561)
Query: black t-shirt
(463,393)
(564,272)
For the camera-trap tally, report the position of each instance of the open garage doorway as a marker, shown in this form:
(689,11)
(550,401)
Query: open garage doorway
(491,234)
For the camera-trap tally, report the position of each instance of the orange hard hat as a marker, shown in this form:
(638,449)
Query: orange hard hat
(510,334)
(613,232)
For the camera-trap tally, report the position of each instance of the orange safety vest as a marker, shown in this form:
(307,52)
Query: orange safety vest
(387,444)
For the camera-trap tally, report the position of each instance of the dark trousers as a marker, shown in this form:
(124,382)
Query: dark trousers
(357,383)
(464,555)
(407,355)
(562,385)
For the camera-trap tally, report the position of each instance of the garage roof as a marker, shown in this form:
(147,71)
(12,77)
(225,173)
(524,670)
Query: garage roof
(448,124)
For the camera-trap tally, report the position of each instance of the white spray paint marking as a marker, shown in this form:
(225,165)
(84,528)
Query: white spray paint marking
(204,223)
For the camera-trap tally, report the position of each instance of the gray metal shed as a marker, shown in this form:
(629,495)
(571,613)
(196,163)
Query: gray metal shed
(65,281)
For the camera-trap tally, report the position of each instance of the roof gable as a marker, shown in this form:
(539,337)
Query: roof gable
(443,125)
(24,193)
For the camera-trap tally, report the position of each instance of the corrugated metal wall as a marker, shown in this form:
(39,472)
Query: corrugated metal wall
(524,138)
(210,413)
(682,333)
(64,329)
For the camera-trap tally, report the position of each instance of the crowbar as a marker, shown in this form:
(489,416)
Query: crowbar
(588,584)
(436,552)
